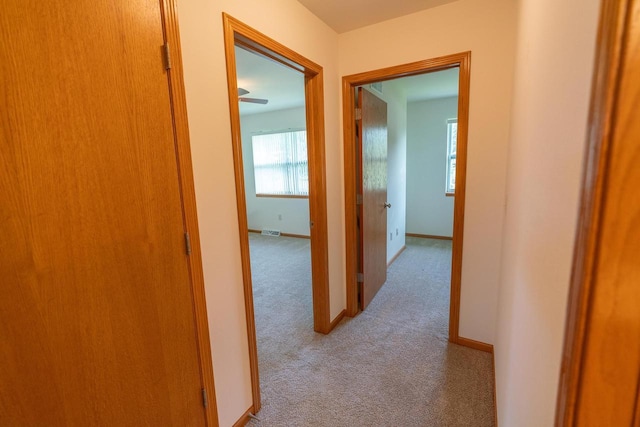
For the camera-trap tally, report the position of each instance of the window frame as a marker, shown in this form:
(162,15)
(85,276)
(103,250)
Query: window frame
(449,191)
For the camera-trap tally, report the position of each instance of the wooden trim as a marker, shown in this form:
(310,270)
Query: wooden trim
(244,419)
(337,320)
(350,192)
(349,83)
(450,194)
(238,33)
(428,236)
(464,85)
(395,257)
(477,345)
(614,25)
(282,196)
(187,189)
(495,389)
(297,236)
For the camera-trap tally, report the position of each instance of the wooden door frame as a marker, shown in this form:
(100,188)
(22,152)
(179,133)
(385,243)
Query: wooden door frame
(613,28)
(349,83)
(238,33)
(189,210)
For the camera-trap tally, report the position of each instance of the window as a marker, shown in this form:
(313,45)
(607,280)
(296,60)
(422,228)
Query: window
(280,164)
(452,139)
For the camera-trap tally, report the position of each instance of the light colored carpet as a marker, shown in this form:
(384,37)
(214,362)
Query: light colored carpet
(389,366)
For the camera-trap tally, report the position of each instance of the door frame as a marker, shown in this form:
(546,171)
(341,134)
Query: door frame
(588,317)
(349,83)
(238,33)
(177,96)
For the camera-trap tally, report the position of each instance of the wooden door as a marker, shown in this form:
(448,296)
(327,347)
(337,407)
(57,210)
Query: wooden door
(96,308)
(600,378)
(372,144)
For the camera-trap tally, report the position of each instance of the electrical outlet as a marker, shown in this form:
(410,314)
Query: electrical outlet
(390,236)
(279,217)
(396,231)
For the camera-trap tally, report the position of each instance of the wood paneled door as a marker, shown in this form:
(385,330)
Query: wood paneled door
(372,183)
(97,317)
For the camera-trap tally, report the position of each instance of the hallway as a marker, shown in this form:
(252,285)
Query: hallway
(389,366)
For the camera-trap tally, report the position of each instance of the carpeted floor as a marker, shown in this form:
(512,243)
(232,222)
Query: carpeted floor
(389,366)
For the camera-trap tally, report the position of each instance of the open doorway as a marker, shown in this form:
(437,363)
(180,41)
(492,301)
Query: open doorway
(240,36)
(355,211)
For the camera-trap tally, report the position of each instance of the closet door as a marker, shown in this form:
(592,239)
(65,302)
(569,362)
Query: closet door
(96,308)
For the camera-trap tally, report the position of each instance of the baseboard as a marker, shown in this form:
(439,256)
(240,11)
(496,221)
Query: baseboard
(475,344)
(428,236)
(395,257)
(244,419)
(337,320)
(495,391)
(298,236)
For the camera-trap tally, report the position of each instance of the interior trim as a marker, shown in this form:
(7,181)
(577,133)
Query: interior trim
(238,33)
(395,257)
(298,236)
(585,322)
(428,236)
(337,320)
(187,189)
(349,83)
(477,345)
(244,419)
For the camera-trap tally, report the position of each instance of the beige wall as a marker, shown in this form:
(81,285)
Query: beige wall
(209,125)
(487,29)
(551,96)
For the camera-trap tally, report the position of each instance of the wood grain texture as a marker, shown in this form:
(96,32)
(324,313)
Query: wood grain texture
(97,310)
(605,228)
(373,187)
(349,83)
(238,33)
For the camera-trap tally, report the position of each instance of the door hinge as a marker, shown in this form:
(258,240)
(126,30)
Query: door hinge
(358,113)
(360,278)
(187,243)
(204,398)
(358,199)
(167,56)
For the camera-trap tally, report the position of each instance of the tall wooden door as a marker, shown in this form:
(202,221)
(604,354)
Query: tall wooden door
(96,308)
(372,183)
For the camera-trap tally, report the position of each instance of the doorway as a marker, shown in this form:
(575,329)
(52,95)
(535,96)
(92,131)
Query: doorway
(355,279)
(240,35)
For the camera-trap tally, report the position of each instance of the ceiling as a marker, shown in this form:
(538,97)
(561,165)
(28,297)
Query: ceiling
(267,79)
(347,15)
(284,87)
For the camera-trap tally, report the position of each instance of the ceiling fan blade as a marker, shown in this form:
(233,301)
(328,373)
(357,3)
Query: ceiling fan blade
(254,100)
(242,91)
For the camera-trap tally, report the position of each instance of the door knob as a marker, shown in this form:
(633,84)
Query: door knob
(387,205)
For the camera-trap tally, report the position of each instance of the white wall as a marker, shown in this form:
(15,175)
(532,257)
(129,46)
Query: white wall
(551,98)
(285,214)
(429,210)
(209,127)
(487,28)
(396,98)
